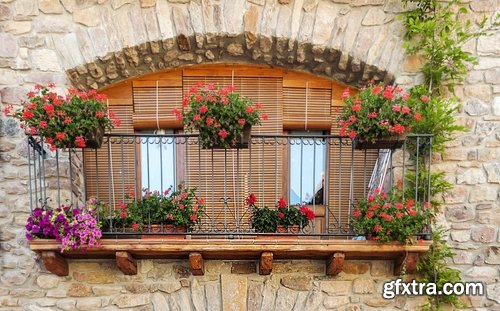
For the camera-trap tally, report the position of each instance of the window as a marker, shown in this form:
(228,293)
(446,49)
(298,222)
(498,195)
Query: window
(307,168)
(157,161)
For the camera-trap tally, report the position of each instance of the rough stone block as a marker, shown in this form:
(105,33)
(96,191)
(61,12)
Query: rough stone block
(129,301)
(471,176)
(377,302)
(79,290)
(336,288)
(298,282)
(351,267)
(88,303)
(492,172)
(493,255)
(363,286)
(476,107)
(460,236)
(460,213)
(456,195)
(462,257)
(480,194)
(169,287)
(335,302)
(47,281)
(234,292)
(484,234)
(243,267)
(285,299)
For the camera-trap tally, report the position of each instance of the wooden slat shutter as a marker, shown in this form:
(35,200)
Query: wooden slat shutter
(151,102)
(110,167)
(340,174)
(243,173)
(306,108)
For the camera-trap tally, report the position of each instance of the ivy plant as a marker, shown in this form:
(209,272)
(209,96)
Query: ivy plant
(437,31)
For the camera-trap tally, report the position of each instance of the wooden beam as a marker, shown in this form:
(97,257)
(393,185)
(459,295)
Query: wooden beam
(126,263)
(266,263)
(196,264)
(335,264)
(55,263)
(406,263)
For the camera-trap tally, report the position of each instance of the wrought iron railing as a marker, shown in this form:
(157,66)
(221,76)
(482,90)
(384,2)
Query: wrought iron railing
(323,171)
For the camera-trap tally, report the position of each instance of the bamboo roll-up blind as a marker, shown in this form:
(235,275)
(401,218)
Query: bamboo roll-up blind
(340,174)
(108,169)
(153,105)
(232,173)
(306,108)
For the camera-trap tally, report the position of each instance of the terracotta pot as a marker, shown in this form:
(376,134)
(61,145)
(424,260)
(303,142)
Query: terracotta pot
(281,229)
(169,228)
(94,139)
(241,143)
(155,228)
(294,229)
(180,229)
(392,142)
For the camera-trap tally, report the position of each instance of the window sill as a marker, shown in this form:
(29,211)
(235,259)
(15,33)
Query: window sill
(334,252)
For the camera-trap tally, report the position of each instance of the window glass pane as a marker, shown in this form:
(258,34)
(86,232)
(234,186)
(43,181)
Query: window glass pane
(157,162)
(307,169)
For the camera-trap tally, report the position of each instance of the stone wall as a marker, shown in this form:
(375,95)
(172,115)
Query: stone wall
(99,42)
(227,285)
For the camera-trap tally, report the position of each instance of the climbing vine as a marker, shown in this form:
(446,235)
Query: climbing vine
(437,32)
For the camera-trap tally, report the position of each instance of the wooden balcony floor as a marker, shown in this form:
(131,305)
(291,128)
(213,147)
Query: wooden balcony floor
(237,249)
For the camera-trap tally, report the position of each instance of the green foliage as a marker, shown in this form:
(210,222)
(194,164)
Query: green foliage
(263,219)
(420,188)
(219,115)
(376,112)
(437,31)
(390,217)
(437,117)
(180,207)
(63,122)
(433,267)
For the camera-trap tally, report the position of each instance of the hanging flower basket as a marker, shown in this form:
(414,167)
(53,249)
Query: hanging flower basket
(393,142)
(222,117)
(77,120)
(378,117)
(94,139)
(242,140)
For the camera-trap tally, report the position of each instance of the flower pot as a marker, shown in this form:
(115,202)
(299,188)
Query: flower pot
(392,142)
(174,232)
(169,228)
(94,139)
(295,229)
(242,141)
(281,229)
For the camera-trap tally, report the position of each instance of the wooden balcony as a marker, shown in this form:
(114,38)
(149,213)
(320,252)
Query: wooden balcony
(196,250)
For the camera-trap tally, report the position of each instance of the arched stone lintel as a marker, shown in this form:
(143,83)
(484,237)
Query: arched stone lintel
(248,48)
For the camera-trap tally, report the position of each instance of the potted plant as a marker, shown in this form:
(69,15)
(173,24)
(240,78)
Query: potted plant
(76,228)
(390,216)
(184,208)
(222,117)
(378,117)
(77,120)
(293,218)
(262,219)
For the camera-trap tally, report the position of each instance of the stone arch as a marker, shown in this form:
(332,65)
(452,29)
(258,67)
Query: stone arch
(184,51)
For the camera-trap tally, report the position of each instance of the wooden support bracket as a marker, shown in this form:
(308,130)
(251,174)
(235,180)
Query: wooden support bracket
(55,263)
(406,263)
(196,264)
(335,264)
(126,263)
(266,263)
